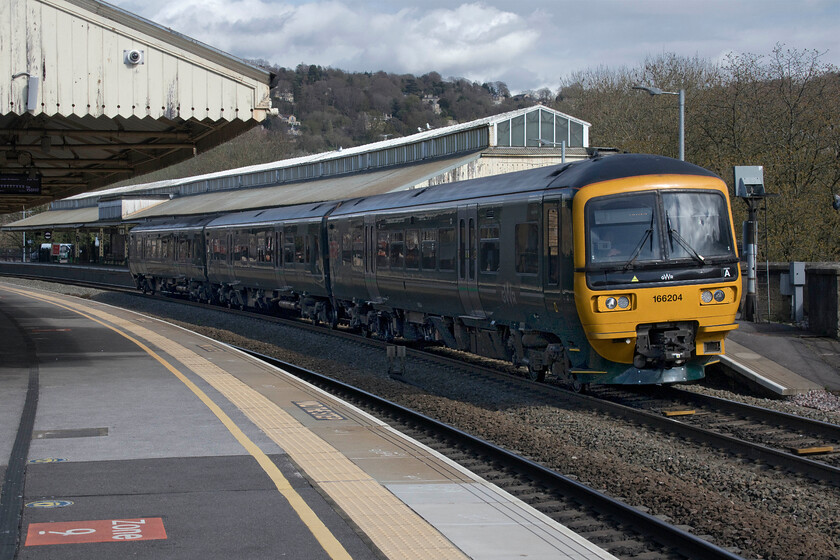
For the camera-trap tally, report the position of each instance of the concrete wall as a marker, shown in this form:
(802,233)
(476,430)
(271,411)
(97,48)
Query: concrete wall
(821,297)
(115,276)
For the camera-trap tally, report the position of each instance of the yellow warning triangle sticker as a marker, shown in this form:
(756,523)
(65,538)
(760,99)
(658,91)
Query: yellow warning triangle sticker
(634,279)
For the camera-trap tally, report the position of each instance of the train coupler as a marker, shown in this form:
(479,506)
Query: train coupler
(664,345)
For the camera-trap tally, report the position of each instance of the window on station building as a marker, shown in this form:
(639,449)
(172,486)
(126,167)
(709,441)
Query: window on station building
(575,134)
(517,131)
(561,129)
(503,133)
(539,125)
(532,129)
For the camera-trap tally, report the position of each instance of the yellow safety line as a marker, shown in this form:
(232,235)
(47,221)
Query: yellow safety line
(323,535)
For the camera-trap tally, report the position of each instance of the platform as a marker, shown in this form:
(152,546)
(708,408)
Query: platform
(151,441)
(783,359)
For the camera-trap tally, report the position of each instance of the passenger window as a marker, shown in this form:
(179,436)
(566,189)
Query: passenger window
(346,249)
(428,249)
(382,250)
(358,247)
(448,248)
(240,248)
(527,245)
(412,249)
(488,252)
(300,249)
(289,250)
(397,256)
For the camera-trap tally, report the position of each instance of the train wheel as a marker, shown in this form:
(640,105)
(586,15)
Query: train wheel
(577,386)
(536,374)
(332,317)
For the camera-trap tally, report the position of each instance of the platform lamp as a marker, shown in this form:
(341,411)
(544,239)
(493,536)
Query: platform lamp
(656,91)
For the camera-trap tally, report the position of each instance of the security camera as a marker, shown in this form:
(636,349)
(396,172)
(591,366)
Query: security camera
(133,57)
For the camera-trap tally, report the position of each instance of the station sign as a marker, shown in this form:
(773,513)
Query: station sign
(19,183)
(106,530)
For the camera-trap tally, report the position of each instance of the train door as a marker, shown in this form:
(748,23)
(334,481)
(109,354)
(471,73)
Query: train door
(370,259)
(468,260)
(558,269)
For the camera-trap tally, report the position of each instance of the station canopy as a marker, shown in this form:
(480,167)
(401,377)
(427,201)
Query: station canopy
(92,95)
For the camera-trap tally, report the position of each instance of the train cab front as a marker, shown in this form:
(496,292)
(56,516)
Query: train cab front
(657,280)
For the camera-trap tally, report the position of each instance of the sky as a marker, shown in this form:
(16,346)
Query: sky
(528,44)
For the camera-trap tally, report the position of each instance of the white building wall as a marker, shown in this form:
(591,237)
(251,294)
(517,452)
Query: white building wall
(77,55)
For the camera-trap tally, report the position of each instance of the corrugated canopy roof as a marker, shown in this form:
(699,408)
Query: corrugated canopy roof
(98,94)
(58,219)
(347,186)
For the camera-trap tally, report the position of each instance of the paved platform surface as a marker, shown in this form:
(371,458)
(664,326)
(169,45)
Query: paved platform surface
(148,441)
(782,358)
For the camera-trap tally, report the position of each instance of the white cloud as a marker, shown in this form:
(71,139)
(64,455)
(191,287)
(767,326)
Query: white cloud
(529,44)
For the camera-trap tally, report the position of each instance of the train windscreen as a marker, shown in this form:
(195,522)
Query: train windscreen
(651,227)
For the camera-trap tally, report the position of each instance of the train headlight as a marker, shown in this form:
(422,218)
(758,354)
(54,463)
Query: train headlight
(720,295)
(614,303)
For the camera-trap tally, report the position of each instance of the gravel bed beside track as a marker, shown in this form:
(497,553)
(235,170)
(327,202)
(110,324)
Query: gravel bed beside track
(758,513)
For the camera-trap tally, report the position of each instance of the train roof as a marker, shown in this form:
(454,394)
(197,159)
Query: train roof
(272,215)
(573,175)
(618,166)
(179,223)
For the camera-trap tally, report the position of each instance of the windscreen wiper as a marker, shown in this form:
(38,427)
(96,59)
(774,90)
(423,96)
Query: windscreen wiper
(648,235)
(674,234)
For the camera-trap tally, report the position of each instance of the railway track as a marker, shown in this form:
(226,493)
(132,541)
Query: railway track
(624,531)
(800,445)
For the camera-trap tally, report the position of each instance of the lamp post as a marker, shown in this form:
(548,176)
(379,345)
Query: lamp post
(656,91)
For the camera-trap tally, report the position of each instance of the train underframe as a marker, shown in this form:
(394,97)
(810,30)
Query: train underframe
(663,351)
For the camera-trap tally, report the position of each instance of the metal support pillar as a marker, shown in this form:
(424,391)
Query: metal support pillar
(751,251)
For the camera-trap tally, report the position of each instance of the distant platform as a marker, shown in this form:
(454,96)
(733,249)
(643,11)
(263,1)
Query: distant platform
(783,359)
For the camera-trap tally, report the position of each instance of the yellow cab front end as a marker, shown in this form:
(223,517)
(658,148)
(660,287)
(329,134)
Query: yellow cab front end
(657,277)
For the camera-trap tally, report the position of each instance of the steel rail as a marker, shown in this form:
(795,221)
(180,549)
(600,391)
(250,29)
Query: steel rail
(812,427)
(814,469)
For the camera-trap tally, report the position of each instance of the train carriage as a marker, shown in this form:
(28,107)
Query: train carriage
(271,259)
(657,281)
(168,255)
(458,263)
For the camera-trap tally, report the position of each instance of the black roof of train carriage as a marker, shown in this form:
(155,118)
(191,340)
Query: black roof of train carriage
(573,175)
(167,224)
(268,216)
